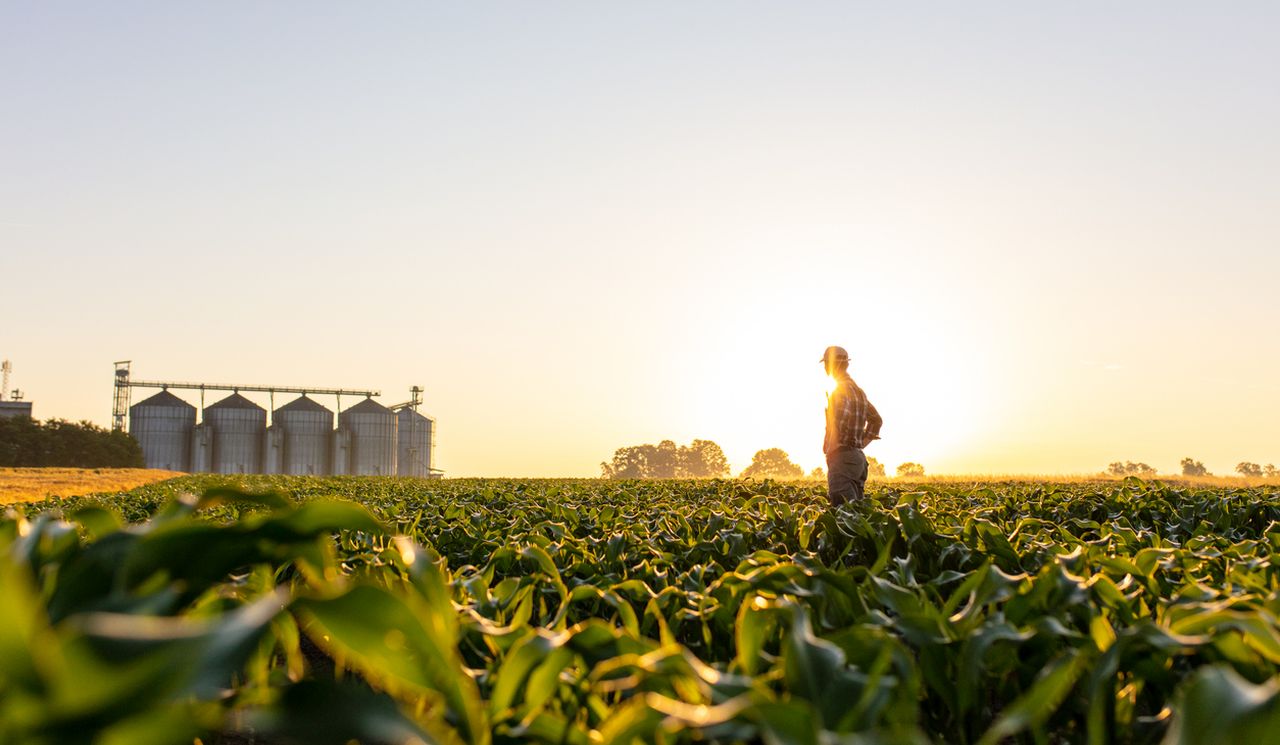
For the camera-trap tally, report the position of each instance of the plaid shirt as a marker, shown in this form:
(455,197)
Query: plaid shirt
(852,422)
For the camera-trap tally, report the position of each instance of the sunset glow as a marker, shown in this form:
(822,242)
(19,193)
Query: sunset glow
(579,232)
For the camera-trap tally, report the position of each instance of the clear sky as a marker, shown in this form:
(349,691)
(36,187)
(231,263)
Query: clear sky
(1049,236)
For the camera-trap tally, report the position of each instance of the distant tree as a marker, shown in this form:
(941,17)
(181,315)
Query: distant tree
(1193,468)
(664,460)
(875,468)
(773,463)
(628,463)
(701,459)
(1270,471)
(910,470)
(818,474)
(1248,469)
(1129,468)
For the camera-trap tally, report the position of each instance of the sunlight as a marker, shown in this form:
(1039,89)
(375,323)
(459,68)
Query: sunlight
(935,395)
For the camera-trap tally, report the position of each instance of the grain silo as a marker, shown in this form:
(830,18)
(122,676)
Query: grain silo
(273,450)
(162,425)
(416,437)
(340,462)
(201,449)
(238,427)
(373,438)
(308,436)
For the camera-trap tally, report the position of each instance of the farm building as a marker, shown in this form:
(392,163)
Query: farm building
(15,409)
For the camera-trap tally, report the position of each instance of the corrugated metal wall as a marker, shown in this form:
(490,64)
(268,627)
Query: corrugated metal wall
(162,426)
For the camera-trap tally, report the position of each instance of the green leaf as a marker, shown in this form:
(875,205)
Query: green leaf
(185,657)
(216,496)
(756,620)
(318,517)
(518,665)
(396,642)
(1259,631)
(162,725)
(1218,707)
(321,712)
(97,521)
(23,628)
(786,722)
(1033,708)
(973,660)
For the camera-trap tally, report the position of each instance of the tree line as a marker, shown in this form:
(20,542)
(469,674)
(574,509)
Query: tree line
(704,459)
(1191,467)
(26,442)
(700,459)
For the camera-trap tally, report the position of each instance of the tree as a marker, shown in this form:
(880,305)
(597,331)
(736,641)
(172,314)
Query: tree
(1193,468)
(628,463)
(773,463)
(701,459)
(664,460)
(1248,469)
(1270,471)
(818,474)
(1129,468)
(875,468)
(910,470)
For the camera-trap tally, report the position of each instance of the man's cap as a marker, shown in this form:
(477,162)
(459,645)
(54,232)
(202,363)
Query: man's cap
(836,353)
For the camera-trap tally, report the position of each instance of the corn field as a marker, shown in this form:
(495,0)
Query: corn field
(332,610)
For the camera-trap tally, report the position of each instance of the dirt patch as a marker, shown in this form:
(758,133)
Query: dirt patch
(35,484)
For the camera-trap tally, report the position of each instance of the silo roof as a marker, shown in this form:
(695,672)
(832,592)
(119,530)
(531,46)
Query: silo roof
(163,398)
(407,413)
(368,406)
(235,401)
(302,403)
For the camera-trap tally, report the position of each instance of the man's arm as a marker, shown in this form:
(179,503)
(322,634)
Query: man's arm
(873,422)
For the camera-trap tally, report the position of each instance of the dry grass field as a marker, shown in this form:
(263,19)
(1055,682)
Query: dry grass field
(34,484)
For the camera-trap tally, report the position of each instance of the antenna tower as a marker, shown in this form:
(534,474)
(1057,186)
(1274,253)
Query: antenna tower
(6,367)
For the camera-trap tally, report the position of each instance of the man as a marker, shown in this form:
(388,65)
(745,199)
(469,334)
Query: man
(852,423)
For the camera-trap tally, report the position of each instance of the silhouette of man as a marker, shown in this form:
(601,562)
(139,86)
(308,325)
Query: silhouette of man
(852,423)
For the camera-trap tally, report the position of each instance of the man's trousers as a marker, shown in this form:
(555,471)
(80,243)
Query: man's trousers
(846,476)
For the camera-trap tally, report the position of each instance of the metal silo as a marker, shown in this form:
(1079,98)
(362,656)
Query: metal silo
(238,428)
(341,461)
(201,449)
(308,436)
(416,440)
(273,450)
(373,438)
(162,425)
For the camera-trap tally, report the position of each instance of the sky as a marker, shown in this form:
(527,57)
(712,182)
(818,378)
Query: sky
(1047,233)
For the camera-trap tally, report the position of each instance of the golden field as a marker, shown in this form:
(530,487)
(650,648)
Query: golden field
(34,484)
(1236,482)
